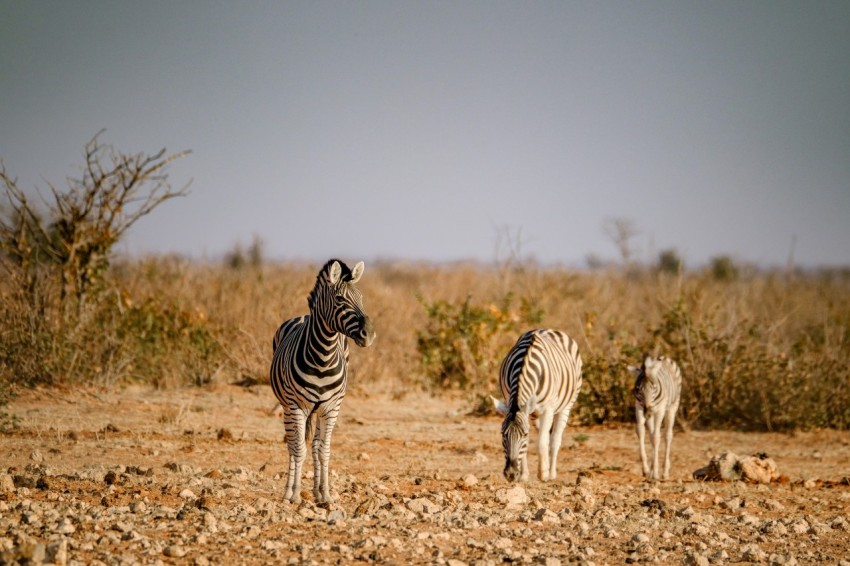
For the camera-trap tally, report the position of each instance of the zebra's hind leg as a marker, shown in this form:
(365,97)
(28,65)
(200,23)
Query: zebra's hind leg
(294,423)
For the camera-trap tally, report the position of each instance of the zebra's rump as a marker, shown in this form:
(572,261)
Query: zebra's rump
(543,364)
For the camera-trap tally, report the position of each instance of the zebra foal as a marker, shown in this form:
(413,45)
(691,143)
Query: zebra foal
(309,370)
(540,376)
(658,387)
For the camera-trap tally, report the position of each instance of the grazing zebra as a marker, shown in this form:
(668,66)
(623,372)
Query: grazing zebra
(657,390)
(541,375)
(309,370)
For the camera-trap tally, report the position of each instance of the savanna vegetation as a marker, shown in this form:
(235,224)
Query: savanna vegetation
(759,350)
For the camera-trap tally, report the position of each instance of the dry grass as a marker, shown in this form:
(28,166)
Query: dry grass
(764,351)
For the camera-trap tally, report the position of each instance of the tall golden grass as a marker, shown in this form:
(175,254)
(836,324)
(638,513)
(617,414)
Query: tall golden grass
(765,351)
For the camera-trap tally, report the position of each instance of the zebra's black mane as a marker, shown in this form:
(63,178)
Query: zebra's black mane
(345,275)
(346,271)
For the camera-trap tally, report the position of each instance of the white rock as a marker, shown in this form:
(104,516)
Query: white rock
(423,505)
(512,497)
(174,551)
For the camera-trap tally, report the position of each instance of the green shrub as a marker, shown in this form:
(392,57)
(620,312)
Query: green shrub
(723,268)
(669,261)
(167,344)
(463,344)
(733,378)
(110,340)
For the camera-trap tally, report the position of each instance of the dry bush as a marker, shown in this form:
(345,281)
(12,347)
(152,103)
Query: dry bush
(764,351)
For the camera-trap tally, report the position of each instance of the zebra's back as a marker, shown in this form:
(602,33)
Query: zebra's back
(545,365)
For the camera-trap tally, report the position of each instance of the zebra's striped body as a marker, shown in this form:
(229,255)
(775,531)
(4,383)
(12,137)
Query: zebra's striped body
(540,376)
(658,387)
(309,370)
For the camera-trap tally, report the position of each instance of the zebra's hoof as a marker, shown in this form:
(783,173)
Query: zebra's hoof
(294,499)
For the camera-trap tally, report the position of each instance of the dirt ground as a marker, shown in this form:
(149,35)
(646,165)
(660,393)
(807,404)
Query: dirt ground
(195,476)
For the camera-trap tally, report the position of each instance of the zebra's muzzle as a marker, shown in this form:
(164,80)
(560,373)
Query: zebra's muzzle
(366,335)
(512,473)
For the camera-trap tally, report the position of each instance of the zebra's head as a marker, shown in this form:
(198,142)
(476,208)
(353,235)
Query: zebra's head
(338,304)
(648,369)
(515,430)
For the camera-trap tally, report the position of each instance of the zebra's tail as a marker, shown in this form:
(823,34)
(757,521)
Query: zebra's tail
(310,428)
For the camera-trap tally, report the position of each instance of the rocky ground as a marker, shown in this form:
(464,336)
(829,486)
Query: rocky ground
(195,477)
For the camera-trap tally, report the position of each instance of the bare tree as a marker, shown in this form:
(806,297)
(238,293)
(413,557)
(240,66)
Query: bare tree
(83,223)
(621,231)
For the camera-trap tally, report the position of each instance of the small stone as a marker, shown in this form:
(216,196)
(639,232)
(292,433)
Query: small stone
(469,480)
(65,526)
(512,497)
(613,499)
(546,516)
(31,552)
(57,552)
(752,553)
(775,528)
(423,505)
(174,551)
(758,469)
(7,483)
(479,458)
(187,494)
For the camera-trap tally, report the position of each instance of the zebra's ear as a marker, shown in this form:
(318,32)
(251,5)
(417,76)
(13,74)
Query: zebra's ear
(334,273)
(357,272)
(500,407)
(648,362)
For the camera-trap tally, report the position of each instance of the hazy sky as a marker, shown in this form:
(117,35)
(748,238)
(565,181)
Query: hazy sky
(442,130)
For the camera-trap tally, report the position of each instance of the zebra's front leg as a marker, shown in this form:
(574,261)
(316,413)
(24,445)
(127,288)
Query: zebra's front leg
(321,458)
(671,420)
(557,437)
(640,426)
(294,423)
(544,426)
(655,434)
